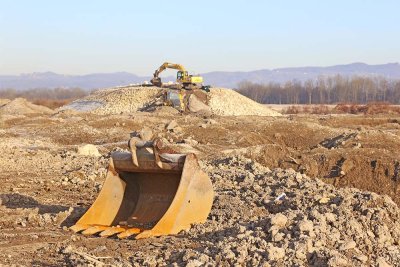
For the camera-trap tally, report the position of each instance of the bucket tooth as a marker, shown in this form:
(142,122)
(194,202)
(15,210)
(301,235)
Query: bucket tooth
(128,233)
(94,230)
(79,227)
(112,231)
(146,234)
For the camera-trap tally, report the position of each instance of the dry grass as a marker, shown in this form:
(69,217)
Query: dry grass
(307,109)
(371,108)
(368,109)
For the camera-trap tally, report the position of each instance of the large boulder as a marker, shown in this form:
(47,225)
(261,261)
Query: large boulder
(195,105)
(88,150)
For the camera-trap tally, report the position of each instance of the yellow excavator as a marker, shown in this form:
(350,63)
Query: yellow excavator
(183,78)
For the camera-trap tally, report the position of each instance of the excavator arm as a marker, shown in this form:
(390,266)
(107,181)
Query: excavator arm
(167,65)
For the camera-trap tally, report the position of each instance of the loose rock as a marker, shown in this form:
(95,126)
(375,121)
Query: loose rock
(88,150)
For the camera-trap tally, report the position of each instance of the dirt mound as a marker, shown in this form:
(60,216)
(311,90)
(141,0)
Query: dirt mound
(4,101)
(219,101)
(227,102)
(21,106)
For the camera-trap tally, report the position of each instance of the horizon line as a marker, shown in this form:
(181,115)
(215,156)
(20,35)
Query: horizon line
(241,71)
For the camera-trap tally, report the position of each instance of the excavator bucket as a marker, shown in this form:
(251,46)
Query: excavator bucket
(147,193)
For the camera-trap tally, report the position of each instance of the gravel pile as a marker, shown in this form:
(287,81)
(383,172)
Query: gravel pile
(21,106)
(224,102)
(4,101)
(227,102)
(116,100)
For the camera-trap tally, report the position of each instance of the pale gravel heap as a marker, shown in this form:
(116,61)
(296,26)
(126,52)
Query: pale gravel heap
(227,102)
(115,100)
(223,102)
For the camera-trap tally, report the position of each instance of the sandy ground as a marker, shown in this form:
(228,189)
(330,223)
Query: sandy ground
(46,185)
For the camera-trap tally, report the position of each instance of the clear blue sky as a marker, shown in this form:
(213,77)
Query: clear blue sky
(79,37)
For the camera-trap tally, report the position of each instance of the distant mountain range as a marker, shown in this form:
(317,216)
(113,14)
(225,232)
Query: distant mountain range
(217,78)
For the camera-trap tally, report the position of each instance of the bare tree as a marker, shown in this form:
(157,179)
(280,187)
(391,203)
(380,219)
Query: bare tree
(309,86)
(324,90)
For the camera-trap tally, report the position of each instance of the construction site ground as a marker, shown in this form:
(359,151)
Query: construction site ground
(46,186)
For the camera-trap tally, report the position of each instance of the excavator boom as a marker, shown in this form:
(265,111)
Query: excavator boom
(183,78)
(168,65)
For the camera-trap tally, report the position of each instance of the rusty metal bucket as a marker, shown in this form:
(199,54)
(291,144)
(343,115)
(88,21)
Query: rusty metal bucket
(147,193)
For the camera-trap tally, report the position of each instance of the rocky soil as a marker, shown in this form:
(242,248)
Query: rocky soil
(270,207)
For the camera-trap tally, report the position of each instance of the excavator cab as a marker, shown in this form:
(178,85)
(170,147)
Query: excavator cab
(180,75)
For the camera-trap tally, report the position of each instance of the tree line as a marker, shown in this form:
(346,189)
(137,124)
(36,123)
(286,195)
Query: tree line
(324,90)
